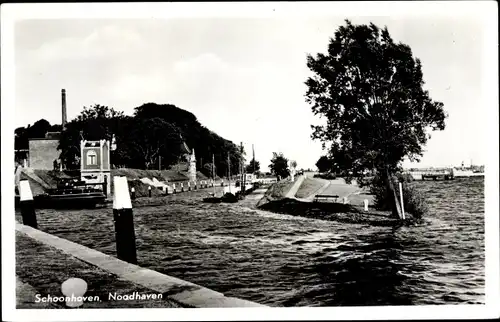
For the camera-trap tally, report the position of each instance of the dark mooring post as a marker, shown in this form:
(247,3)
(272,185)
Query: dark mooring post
(27,204)
(124,222)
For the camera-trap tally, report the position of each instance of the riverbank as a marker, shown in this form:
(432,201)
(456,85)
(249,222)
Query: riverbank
(44,262)
(280,200)
(286,260)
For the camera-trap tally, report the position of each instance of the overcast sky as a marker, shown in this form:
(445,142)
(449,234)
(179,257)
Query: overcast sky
(242,78)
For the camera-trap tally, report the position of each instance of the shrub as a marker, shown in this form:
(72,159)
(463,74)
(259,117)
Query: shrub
(414,201)
(326,176)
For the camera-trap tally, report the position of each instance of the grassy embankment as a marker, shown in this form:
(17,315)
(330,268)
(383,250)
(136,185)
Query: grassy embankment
(352,212)
(309,186)
(276,192)
(48,179)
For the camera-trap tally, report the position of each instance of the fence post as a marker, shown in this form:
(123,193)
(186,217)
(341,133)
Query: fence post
(366,204)
(105,186)
(124,222)
(173,188)
(149,191)
(182,186)
(132,192)
(401,197)
(27,204)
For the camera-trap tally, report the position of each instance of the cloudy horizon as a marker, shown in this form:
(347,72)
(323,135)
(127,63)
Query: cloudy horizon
(242,78)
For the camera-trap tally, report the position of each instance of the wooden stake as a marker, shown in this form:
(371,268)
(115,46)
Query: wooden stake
(401,197)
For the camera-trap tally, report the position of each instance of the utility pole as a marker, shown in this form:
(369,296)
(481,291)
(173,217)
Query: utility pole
(213,172)
(253,158)
(242,166)
(229,171)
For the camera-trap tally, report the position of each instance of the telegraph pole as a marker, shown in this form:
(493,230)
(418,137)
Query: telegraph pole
(229,170)
(253,158)
(242,166)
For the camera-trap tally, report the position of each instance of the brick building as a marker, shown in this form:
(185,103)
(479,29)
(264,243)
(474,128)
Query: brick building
(43,152)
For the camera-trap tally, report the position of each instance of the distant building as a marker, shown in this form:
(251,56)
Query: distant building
(95,162)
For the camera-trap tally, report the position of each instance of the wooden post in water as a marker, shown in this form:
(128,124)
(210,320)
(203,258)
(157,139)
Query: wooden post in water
(173,188)
(132,191)
(401,196)
(124,222)
(149,191)
(27,204)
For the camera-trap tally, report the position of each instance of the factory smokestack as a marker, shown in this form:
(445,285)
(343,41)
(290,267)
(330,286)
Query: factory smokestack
(63,101)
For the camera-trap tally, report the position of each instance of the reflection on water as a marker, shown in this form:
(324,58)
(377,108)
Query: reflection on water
(282,260)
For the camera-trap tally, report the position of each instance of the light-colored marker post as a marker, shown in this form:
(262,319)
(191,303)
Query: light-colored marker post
(189,186)
(401,197)
(74,289)
(124,222)
(182,187)
(27,204)
(149,191)
(195,186)
(366,204)
(173,188)
(132,193)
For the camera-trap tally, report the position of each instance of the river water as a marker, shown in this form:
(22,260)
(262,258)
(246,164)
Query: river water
(282,260)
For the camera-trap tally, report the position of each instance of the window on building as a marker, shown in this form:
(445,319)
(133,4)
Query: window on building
(91,158)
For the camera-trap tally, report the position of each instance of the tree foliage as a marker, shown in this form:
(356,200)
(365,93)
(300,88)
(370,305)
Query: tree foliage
(97,122)
(370,89)
(35,131)
(279,165)
(323,164)
(154,131)
(253,166)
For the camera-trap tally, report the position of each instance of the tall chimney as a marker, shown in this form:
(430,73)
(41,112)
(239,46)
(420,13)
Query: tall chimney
(63,99)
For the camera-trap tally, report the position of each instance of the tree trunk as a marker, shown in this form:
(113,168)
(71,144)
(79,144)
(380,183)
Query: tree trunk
(396,206)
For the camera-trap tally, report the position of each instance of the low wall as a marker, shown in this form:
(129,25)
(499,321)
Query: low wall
(180,291)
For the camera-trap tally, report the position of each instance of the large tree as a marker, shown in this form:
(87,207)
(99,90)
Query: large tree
(370,89)
(279,165)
